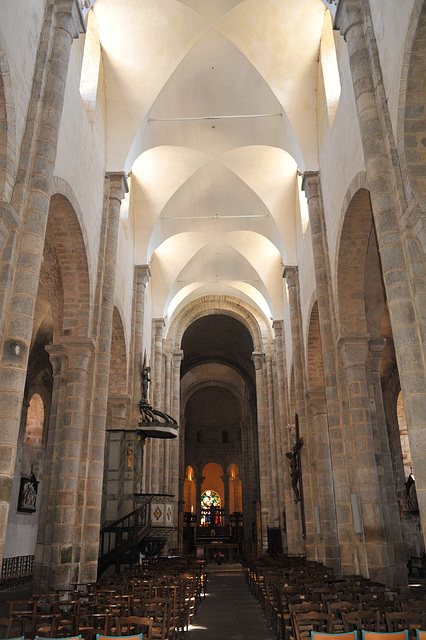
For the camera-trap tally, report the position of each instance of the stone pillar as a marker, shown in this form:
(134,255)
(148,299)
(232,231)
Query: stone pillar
(371,546)
(274,492)
(154,448)
(333,423)
(296,543)
(174,445)
(42,560)
(115,189)
(69,511)
(397,559)
(406,305)
(198,483)
(34,188)
(264,450)
(140,280)
(282,420)
(227,512)
(141,276)
(324,504)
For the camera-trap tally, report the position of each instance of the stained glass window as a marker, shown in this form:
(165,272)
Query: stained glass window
(209,500)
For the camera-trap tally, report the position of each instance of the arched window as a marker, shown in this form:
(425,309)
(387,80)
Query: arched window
(403,436)
(209,500)
(91,66)
(35,419)
(330,70)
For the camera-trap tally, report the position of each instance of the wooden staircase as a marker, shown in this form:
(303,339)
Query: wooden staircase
(119,541)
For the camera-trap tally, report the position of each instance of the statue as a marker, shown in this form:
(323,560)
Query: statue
(145,383)
(293,456)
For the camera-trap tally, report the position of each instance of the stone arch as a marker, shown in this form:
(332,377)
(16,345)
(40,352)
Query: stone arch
(118,361)
(193,388)
(216,305)
(7,129)
(357,228)
(72,260)
(411,125)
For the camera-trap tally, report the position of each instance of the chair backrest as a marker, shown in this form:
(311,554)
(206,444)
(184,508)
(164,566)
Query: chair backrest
(361,620)
(421,634)
(371,635)
(68,638)
(305,623)
(137,636)
(134,624)
(405,620)
(351,635)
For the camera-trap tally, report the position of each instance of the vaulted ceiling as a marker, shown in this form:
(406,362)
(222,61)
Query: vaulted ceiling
(211,109)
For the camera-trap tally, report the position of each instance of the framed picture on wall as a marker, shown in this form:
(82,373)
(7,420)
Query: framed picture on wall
(28,494)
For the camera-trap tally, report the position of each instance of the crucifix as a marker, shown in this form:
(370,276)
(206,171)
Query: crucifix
(296,473)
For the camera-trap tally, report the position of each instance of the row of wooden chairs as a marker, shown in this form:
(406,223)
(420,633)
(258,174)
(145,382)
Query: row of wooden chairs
(167,596)
(299,597)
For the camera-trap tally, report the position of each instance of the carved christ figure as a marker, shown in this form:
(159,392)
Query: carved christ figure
(293,456)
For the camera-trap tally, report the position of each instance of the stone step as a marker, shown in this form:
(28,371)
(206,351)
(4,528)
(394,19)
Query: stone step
(234,568)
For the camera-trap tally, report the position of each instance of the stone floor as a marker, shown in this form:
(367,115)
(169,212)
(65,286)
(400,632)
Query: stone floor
(229,612)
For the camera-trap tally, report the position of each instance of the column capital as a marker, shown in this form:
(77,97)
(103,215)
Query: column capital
(78,351)
(310,184)
(258,358)
(177,356)
(57,355)
(348,14)
(375,347)
(278,327)
(291,274)
(142,274)
(69,17)
(354,350)
(158,325)
(117,185)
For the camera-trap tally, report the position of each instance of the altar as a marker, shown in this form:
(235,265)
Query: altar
(208,550)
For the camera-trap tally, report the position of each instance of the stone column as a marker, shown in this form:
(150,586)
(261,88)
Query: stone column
(154,448)
(296,543)
(327,542)
(274,492)
(174,445)
(406,306)
(339,490)
(42,560)
(35,185)
(371,546)
(227,512)
(69,511)
(140,280)
(282,421)
(115,189)
(264,450)
(397,559)
(141,276)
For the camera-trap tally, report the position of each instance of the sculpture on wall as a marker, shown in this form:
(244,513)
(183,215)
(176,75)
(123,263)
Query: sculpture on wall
(295,470)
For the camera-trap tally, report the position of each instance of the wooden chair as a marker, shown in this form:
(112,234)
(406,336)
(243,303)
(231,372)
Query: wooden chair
(361,620)
(405,620)
(399,635)
(351,635)
(304,623)
(131,625)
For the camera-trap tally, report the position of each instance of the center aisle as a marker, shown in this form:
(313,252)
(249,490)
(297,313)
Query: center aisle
(229,612)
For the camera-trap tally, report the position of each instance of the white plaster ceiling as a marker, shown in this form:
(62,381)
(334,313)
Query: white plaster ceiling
(211,107)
